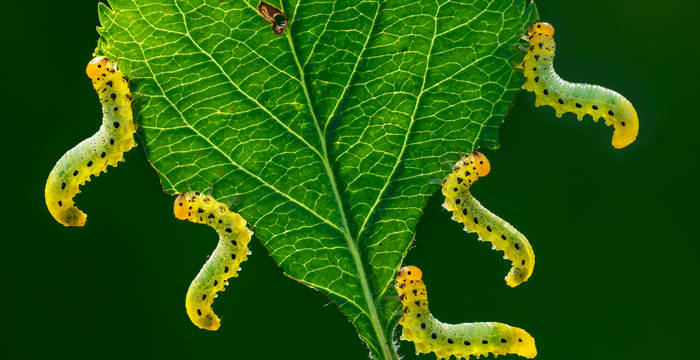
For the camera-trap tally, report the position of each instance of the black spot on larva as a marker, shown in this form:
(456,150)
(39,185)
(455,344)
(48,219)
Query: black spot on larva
(532,47)
(520,340)
(75,173)
(417,302)
(488,228)
(234,242)
(225,269)
(467,173)
(422,326)
(611,113)
(116,108)
(503,341)
(216,282)
(99,66)
(415,292)
(199,312)
(537,78)
(503,237)
(561,101)
(403,296)
(595,107)
(455,189)
(204,296)
(449,341)
(484,342)
(457,201)
(211,216)
(534,69)
(578,105)
(60,203)
(233,256)
(63,185)
(522,262)
(467,343)
(200,210)
(622,123)
(418,315)
(464,211)
(517,246)
(116,124)
(113,96)
(220,221)
(459,180)
(433,335)
(546,92)
(109,83)
(111,141)
(476,221)
(540,45)
(228,230)
(537,57)
(103,154)
(89,163)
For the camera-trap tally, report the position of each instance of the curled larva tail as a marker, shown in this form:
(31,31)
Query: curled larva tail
(93,155)
(476,218)
(460,340)
(223,264)
(580,99)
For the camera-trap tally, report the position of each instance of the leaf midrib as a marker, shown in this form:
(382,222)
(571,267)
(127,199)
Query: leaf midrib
(352,243)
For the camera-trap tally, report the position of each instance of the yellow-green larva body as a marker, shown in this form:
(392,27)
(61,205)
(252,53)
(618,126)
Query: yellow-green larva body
(461,340)
(476,218)
(223,264)
(94,154)
(580,99)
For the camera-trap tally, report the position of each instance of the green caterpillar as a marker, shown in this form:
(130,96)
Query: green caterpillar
(476,218)
(580,99)
(445,340)
(223,264)
(94,154)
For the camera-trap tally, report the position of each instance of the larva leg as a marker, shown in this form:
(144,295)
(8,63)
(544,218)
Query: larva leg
(224,262)
(476,218)
(580,99)
(93,155)
(445,340)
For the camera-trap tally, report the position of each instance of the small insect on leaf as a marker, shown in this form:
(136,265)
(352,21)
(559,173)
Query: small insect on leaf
(276,17)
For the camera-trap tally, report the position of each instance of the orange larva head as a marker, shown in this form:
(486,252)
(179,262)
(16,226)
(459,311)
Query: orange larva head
(483,167)
(409,273)
(96,67)
(541,28)
(181,208)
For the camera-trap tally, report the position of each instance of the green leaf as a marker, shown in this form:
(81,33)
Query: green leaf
(328,135)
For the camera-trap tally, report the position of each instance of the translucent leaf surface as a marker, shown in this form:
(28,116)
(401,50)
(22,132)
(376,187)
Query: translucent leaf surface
(328,135)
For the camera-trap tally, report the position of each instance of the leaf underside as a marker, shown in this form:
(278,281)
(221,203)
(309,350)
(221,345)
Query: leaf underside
(328,135)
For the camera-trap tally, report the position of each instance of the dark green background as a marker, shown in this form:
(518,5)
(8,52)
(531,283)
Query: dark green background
(614,231)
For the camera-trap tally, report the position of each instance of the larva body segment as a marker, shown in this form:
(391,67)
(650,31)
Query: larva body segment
(580,99)
(94,154)
(223,264)
(461,340)
(476,218)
